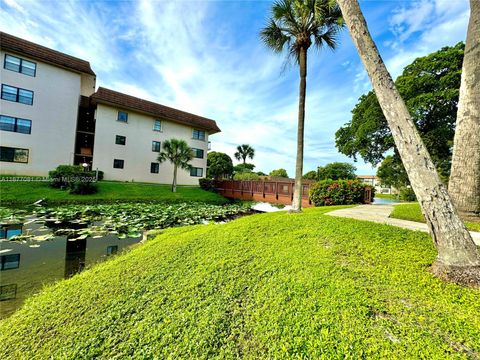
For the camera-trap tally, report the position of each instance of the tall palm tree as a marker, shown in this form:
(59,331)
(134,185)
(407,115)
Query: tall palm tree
(243,152)
(179,154)
(293,27)
(458,258)
(464,184)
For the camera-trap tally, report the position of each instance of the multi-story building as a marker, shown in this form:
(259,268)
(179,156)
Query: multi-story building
(50,115)
(374,181)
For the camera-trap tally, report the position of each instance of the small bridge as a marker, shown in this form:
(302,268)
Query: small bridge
(274,192)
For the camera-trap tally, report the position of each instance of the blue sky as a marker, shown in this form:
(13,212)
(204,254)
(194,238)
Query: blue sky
(205,57)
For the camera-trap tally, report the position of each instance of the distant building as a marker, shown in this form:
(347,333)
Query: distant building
(51,115)
(374,181)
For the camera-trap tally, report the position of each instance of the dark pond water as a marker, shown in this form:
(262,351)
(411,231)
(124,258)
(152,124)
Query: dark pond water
(27,266)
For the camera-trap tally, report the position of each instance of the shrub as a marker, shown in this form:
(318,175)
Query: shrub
(60,177)
(100,174)
(407,194)
(338,192)
(246,176)
(206,184)
(74,179)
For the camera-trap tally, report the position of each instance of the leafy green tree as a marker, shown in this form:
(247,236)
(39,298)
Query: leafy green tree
(311,175)
(279,173)
(430,87)
(293,27)
(179,154)
(392,173)
(219,165)
(243,152)
(242,168)
(336,171)
(458,257)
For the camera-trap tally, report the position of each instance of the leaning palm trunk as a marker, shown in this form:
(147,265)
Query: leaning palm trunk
(464,184)
(297,193)
(457,258)
(174,183)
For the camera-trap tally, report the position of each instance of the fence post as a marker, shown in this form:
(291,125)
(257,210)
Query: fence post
(276,190)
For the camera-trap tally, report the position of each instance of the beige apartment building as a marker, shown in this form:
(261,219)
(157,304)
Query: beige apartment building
(51,115)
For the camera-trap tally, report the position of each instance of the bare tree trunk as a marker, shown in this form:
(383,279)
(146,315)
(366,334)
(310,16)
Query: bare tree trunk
(464,184)
(458,258)
(174,184)
(297,193)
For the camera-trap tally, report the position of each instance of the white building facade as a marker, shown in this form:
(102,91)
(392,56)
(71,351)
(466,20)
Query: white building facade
(51,115)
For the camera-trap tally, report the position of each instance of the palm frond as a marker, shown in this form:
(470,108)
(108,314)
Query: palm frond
(283,12)
(273,36)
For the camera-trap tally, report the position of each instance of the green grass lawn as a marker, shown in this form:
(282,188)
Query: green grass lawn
(413,212)
(21,193)
(267,286)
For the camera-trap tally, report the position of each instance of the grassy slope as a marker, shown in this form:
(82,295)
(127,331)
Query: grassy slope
(413,212)
(19,193)
(267,286)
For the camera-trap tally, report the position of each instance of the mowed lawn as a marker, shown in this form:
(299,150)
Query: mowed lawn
(413,212)
(21,193)
(269,286)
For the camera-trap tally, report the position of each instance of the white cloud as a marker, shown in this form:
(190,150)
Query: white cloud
(425,26)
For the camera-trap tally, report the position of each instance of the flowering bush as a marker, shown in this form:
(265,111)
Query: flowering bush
(339,192)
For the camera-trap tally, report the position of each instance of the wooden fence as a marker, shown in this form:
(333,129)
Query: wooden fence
(275,192)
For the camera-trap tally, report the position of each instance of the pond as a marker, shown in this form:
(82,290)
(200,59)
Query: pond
(27,266)
(385,201)
(41,245)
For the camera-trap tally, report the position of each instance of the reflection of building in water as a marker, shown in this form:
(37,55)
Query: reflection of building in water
(75,256)
(46,262)
(9,230)
(8,292)
(10,261)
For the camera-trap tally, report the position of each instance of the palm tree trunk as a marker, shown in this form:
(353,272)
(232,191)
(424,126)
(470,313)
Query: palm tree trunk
(458,258)
(174,184)
(297,193)
(464,184)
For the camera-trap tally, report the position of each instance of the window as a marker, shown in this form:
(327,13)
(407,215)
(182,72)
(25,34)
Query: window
(157,125)
(12,93)
(9,123)
(154,168)
(118,164)
(195,171)
(120,140)
(10,261)
(8,292)
(197,153)
(13,155)
(112,249)
(156,146)
(199,134)
(9,231)
(122,116)
(14,63)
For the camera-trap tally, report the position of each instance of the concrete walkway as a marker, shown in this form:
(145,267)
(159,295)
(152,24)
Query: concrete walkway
(381,213)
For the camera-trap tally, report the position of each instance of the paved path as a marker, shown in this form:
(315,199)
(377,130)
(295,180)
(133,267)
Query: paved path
(381,213)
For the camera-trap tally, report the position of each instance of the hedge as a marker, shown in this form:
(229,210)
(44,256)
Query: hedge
(339,192)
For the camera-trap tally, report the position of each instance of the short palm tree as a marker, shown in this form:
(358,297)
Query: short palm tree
(179,154)
(293,27)
(243,152)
